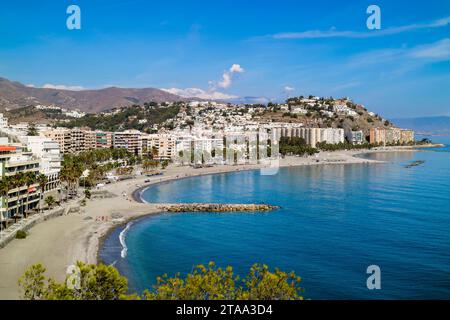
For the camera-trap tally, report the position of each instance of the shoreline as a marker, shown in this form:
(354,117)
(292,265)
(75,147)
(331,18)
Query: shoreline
(62,241)
(355,155)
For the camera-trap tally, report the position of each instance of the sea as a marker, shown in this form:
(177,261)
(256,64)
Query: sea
(334,222)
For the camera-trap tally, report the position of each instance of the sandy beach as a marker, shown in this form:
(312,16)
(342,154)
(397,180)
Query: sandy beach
(60,242)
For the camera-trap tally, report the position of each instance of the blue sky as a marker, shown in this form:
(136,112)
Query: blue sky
(267,49)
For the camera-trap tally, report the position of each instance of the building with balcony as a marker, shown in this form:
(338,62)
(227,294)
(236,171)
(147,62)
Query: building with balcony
(61,136)
(15,202)
(355,137)
(164,145)
(50,156)
(391,136)
(131,140)
(103,139)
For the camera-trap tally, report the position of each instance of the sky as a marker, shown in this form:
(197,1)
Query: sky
(267,50)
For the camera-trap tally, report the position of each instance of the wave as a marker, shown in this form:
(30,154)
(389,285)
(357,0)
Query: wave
(141,193)
(122,237)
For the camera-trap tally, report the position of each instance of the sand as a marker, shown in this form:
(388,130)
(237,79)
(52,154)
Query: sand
(62,241)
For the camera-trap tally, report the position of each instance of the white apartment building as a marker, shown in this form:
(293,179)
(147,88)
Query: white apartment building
(298,110)
(18,200)
(3,121)
(312,136)
(340,108)
(49,154)
(355,137)
(47,150)
(74,114)
(204,150)
(332,135)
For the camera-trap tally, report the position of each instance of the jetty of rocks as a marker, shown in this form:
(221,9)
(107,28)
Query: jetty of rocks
(215,207)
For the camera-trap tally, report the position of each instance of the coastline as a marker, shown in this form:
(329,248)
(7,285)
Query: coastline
(62,241)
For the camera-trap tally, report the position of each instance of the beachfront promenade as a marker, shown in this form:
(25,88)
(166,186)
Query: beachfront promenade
(76,236)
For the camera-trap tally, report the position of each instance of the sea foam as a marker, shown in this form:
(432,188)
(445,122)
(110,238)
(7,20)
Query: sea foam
(122,237)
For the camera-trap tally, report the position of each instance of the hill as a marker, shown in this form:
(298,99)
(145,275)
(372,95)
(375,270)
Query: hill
(15,95)
(326,112)
(134,117)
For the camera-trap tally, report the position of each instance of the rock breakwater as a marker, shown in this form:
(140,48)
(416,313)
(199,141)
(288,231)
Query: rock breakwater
(213,207)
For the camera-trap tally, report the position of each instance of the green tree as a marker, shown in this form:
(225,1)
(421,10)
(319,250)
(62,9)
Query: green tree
(92,282)
(20,181)
(155,152)
(88,282)
(5,187)
(42,180)
(32,131)
(295,145)
(212,283)
(29,179)
(164,164)
(72,170)
(50,201)
(33,283)
(262,284)
(205,283)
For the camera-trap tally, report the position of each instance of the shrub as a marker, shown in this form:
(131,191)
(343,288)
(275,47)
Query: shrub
(206,282)
(21,234)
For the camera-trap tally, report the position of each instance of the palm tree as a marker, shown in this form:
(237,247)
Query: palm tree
(13,183)
(181,156)
(19,182)
(42,180)
(155,152)
(64,177)
(50,201)
(87,194)
(71,172)
(30,179)
(4,191)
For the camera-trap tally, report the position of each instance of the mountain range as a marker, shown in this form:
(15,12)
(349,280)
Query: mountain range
(426,125)
(15,95)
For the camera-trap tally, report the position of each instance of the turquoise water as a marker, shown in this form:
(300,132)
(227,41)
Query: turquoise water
(334,222)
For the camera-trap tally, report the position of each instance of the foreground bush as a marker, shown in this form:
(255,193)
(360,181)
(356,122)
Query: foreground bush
(92,282)
(20,234)
(87,282)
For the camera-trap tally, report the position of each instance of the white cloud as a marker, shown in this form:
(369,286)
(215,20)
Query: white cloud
(227,77)
(439,50)
(332,33)
(199,93)
(406,57)
(226,81)
(236,68)
(212,93)
(63,87)
(288,89)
